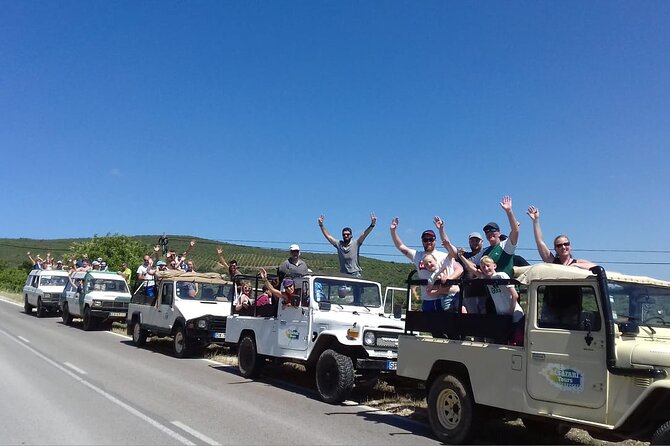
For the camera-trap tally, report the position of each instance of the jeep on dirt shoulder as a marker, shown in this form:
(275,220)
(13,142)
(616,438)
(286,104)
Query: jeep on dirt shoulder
(595,355)
(190,307)
(336,327)
(96,297)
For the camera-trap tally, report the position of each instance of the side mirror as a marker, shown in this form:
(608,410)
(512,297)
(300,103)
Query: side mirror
(325,306)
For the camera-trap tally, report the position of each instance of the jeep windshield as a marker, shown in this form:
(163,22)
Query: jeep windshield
(194,290)
(639,303)
(110,285)
(342,292)
(53,280)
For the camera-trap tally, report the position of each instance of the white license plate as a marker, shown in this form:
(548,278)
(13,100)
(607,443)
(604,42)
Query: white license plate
(117,314)
(219,335)
(391,365)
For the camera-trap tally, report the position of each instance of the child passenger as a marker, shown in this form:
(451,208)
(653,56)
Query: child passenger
(505,298)
(446,293)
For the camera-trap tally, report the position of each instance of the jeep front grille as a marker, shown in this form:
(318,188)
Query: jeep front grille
(217,323)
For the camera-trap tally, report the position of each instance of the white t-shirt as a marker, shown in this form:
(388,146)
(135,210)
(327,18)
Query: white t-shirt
(502,298)
(417,258)
(148,278)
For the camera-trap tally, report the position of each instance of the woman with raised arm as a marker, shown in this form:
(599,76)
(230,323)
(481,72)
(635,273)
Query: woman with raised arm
(562,246)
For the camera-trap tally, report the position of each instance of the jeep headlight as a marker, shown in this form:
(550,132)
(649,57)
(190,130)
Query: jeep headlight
(96,303)
(369,338)
(202,323)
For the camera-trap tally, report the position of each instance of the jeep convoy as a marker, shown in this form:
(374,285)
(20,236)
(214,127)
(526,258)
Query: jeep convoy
(43,291)
(595,355)
(336,328)
(96,297)
(189,307)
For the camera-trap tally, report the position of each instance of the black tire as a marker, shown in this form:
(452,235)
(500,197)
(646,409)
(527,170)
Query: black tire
(89,321)
(67,317)
(451,410)
(249,361)
(662,434)
(179,342)
(139,334)
(41,311)
(334,376)
(26,306)
(543,428)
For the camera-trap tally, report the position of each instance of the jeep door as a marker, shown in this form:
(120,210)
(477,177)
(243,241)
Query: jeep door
(162,314)
(566,349)
(31,288)
(294,321)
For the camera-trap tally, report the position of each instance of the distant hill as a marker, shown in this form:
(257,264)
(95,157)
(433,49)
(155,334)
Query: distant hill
(205,259)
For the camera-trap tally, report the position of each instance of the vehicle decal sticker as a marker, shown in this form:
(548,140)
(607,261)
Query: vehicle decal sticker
(292,333)
(564,378)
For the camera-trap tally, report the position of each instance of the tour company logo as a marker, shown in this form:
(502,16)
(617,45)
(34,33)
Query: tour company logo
(292,333)
(563,377)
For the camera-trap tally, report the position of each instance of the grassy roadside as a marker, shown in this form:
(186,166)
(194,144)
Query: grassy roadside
(15,297)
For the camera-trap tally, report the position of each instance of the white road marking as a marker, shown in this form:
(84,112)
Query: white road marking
(75,368)
(9,301)
(23,339)
(166,430)
(118,334)
(195,433)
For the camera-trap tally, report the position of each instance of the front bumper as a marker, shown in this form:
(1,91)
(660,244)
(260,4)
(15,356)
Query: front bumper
(384,365)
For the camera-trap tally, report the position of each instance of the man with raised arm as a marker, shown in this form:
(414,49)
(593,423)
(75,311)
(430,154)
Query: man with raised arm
(348,249)
(444,261)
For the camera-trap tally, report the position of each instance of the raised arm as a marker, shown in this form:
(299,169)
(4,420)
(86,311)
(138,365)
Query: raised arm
(31,258)
(325,232)
(545,254)
(368,230)
(157,249)
(451,249)
(222,260)
(506,204)
(471,267)
(191,244)
(396,240)
(274,291)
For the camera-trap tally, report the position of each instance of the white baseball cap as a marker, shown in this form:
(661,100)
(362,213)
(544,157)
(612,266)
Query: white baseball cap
(294,247)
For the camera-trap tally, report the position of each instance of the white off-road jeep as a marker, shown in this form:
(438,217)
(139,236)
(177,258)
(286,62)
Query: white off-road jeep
(43,290)
(336,328)
(189,307)
(595,354)
(96,297)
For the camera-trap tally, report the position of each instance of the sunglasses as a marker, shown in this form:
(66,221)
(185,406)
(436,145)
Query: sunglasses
(563,245)
(428,240)
(490,230)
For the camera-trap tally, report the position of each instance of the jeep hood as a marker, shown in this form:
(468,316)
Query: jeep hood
(192,309)
(651,353)
(346,318)
(109,295)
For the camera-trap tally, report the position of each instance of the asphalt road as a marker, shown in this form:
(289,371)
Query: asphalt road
(61,385)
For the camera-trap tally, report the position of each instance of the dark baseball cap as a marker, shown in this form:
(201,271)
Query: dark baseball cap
(492,225)
(428,233)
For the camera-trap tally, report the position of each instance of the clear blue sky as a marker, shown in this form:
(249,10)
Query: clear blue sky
(247,120)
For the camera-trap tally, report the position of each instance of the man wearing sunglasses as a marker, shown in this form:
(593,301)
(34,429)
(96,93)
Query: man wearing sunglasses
(348,248)
(562,246)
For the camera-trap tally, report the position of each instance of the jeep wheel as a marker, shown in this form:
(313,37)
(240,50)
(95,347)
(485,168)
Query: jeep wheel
(26,306)
(179,345)
(40,308)
(543,428)
(89,321)
(662,434)
(451,410)
(139,334)
(334,376)
(67,317)
(249,361)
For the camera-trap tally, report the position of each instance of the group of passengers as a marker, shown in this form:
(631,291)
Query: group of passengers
(497,261)
(146,272)
(45,264)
